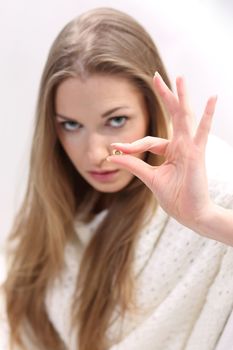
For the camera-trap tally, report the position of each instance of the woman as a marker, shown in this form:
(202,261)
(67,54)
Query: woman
(97,263)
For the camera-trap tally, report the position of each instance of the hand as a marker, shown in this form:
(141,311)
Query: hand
(180,183)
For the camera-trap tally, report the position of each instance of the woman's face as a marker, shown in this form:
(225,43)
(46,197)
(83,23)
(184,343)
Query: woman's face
(90,115)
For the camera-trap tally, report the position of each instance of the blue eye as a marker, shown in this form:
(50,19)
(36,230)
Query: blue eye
(70,125)
(117,122)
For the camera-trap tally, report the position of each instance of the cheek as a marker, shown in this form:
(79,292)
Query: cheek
(138,131)
(141,132)
(71,148)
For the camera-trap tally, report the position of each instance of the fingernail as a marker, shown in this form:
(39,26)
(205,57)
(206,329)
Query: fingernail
(157,75)
(116,144)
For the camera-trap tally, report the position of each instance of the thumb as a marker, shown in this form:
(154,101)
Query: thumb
(135,166)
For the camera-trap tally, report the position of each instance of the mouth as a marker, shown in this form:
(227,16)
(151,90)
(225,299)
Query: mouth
(102,172)
(103,176)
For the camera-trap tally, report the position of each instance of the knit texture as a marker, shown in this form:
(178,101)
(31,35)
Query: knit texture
(184,282)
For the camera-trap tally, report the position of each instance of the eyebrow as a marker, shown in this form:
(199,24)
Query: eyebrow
(104,115)
(110,111)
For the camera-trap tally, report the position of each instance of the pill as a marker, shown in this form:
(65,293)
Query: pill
(116,152)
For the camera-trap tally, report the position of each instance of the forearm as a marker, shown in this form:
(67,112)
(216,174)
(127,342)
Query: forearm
(217,224)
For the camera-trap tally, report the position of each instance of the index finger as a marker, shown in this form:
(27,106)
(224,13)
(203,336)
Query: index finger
(152,144)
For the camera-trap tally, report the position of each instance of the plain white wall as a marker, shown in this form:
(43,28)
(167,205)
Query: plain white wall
(194,38)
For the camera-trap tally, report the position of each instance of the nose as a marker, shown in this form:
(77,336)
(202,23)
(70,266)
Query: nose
(98,148)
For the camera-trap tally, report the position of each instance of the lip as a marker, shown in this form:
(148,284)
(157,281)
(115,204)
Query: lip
(104,176)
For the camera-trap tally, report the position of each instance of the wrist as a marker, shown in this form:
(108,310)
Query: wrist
(216,223)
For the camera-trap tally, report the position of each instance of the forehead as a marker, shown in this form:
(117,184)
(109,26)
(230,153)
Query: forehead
(96,91)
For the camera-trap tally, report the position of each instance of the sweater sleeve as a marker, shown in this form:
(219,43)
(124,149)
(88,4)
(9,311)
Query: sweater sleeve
(226,340)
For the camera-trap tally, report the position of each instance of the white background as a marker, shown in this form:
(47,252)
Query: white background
(194,39)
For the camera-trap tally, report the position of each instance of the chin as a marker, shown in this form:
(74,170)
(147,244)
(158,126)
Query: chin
(108,189)
(110,186)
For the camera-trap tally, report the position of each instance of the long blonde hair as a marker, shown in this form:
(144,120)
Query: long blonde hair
(102,41)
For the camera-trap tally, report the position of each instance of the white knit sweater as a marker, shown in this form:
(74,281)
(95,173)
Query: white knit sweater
(184,281)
